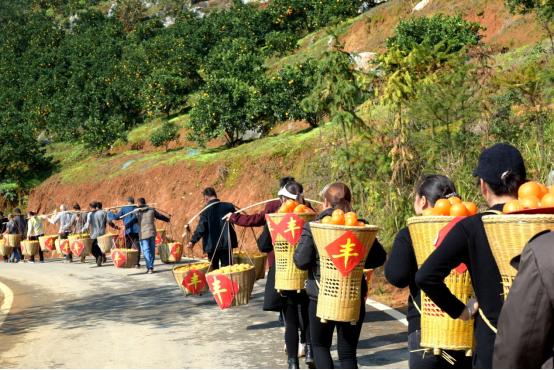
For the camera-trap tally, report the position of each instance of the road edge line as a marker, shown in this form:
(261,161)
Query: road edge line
(397,315)
(7,303)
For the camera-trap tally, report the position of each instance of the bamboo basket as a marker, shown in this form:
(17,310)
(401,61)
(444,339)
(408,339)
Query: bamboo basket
(180,272)
(165,249)
(12,240)
(30,247)
(287,275)
(74,241)
(106,242)
(340,296)
(5,250)
(66,246)
(438,331)
(124,258)
(508,235)
(257,260)
(160,237)
(47,242)
(244,279)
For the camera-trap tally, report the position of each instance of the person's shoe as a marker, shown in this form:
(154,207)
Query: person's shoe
(301,347)
(293,363)
(99,261)
(137,266)
(31,261)
(149,271)
(309,356)
(104,259)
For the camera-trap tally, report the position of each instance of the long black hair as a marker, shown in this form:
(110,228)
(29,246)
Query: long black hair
(435,187)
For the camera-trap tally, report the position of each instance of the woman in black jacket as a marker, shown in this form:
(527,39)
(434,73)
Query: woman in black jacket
(306,257)
(401,268)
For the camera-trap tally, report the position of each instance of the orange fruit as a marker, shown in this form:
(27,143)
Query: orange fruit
(350,219)
(291,205)
(300,209)
(361,223)
(430,212)
(511,206)
(529,189)
(547,200)
(443,207)
(283,209)
(544,190)
(529,202)
(459,209)
(471,208)
(337,217)
(454,200)
(326,220)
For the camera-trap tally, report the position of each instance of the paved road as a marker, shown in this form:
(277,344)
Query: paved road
(81,316)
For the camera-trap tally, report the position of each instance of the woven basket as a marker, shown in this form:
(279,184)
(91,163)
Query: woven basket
(30,247)
(438,330)
(165,249)
(339,295)
(508,235)
(78,236)
(58,243)
(256,260)
(180,272)
(160,237)
(129,256)
(47,242)
(245,280)
(87,244)
(287,275)
(12,240)
(106,242)
(5,250)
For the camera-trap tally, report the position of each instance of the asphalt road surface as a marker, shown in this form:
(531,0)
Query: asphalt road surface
(83,316)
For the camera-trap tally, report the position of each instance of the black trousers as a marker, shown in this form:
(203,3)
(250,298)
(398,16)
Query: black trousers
(295,313)
(425,360)
(348,336)
(96,252)
(132,242)
(40,252)
(219,259)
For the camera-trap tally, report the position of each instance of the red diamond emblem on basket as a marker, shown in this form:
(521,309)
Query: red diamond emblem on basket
(77,247)
(49,244)
(194,281)
(176,250)
(159,239)
(223,289)
(290,228)
(119,258)
(346,252)
(64,246)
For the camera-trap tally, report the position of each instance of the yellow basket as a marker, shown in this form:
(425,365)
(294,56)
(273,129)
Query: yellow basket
(59,242)
(508,235)
(30,247)
(12,240)
(47,242)
(180,272)
(165,249)
(438,330)
(105,242)
(340,296)
(5,250)
(244,279)
(287,275)
(124,258)
(256,260)
(80,238)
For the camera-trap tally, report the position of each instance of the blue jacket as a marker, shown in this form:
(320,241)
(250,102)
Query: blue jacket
(130,222)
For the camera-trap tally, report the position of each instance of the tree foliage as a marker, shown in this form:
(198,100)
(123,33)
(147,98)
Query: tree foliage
(165,134)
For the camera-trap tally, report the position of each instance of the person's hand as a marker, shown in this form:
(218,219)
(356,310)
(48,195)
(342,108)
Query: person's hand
(471,309)
(116,227)
(205,255)
(227,217)
(190,245)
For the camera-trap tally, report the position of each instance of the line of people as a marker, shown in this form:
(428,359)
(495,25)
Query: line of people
(138,221)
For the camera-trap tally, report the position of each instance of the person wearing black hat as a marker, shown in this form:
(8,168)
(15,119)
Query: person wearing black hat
(500,171)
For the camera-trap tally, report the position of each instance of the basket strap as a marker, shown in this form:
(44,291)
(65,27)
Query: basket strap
(484,318)
(493,211)
(415,303)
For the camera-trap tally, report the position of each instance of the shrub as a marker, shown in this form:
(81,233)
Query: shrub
(165,134)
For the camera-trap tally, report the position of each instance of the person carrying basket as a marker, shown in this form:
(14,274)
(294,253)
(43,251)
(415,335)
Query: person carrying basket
(306,257)
(401,268)
(147,217)
(500,171)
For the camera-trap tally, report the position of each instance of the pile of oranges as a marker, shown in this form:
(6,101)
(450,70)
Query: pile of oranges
(452,206)
(292,206)
(531,195)
(338,217)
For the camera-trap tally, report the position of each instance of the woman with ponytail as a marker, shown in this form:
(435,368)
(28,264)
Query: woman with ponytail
(401,268)
(306,257)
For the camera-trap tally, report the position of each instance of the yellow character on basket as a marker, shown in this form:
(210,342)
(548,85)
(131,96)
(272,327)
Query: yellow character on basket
(346,251)
(217,290)
(194,281)
(292,227)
